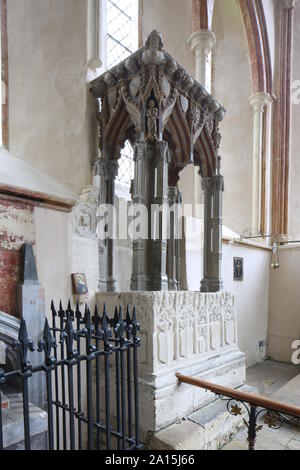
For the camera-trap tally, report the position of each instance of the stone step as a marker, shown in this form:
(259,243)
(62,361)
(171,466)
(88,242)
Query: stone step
(13,424)
(208,428)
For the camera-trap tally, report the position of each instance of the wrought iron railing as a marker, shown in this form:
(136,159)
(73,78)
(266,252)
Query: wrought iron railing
(276,413)
(81,356)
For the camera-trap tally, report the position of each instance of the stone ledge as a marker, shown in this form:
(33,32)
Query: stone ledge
(20,179)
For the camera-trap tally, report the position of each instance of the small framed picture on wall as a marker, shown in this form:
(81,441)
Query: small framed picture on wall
(238,269)
(79,283)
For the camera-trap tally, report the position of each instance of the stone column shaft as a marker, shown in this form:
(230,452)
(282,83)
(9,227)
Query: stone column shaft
(140,267)
(93,35)
(102,244)
(202,43)
(258,102)
(172,242)
(213,188)
(107,171)
(112,171)
(149,271)
(159,245)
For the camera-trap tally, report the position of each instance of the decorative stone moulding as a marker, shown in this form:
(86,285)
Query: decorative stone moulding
(169,118)
(85,213)
(152,73)
(188,332)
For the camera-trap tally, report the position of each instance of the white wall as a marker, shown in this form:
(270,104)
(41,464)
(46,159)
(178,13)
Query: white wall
(54,254)
(251,297)
(173,18)
(232,88)
(284,309)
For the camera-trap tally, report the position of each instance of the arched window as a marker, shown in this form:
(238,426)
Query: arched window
(121,30)
(121,42)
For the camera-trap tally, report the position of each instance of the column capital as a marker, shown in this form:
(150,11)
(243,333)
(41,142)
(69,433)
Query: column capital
(259,100)
(106,168)
(163,153)
(288,4)
(203,39)
(112,169)
(213,183)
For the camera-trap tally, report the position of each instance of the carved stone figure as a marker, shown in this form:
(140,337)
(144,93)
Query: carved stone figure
(152,116)
(153,53)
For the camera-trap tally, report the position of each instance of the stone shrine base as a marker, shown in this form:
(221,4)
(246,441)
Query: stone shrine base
(189,332)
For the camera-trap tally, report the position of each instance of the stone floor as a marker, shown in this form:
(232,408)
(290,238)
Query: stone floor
(268,378)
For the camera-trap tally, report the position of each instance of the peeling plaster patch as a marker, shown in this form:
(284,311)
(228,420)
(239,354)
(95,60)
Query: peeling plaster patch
(16,225)
(9,273)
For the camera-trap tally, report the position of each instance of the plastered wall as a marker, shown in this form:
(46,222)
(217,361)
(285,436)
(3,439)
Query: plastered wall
(294,196)
(51,111)
(232,88)
(284,308)
(16,227)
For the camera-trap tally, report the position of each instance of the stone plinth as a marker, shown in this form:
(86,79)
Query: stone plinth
(189,332)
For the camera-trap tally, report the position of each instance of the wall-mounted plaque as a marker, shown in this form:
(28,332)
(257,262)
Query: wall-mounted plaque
(79,283)
(238,269)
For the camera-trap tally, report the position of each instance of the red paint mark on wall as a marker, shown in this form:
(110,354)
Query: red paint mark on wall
(9,272)
(16,227)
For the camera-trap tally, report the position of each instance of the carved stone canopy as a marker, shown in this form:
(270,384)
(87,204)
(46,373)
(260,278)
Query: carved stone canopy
(150,96)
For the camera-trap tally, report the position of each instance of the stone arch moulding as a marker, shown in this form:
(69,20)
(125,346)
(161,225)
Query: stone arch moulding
(258,43)
(202,14)
(254,21)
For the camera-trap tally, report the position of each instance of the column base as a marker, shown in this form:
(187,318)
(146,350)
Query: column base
(102,285)
(160,284)
(111,285)
(211,285)
(139,282)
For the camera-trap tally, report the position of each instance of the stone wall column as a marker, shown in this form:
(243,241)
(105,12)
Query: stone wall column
(202,43)
(112,172)
(159,245)
(93,34)
(258,101)
(213,188)
(140,264)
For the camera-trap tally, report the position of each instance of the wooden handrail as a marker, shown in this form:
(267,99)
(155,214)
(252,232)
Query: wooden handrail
(252,399)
